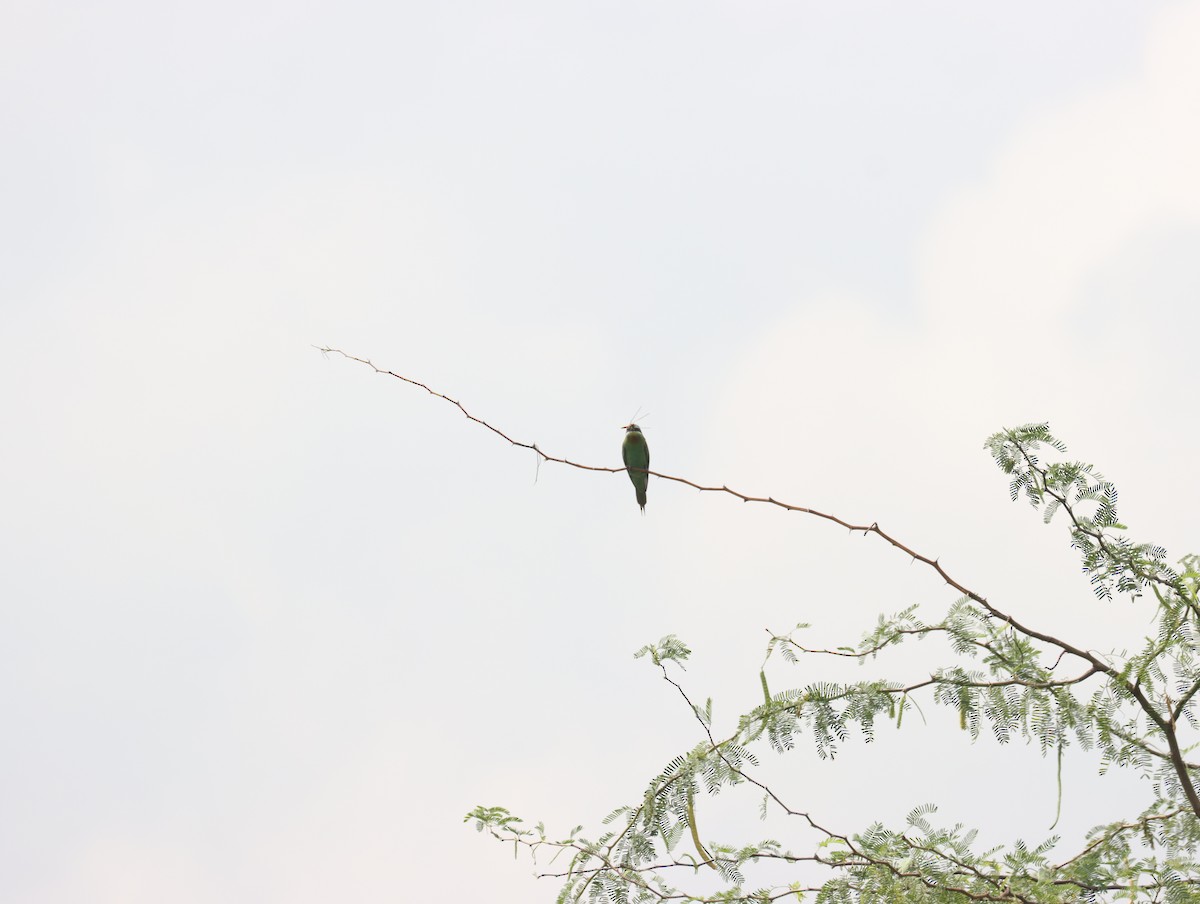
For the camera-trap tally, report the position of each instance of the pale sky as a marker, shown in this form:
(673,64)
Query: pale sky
(270,624)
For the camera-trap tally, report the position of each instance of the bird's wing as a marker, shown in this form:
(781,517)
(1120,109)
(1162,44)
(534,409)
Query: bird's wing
(636,453)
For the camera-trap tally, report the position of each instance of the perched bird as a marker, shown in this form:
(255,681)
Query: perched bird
(636,454)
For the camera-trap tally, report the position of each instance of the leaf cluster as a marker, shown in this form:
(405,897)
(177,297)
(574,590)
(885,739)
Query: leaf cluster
(1002,677)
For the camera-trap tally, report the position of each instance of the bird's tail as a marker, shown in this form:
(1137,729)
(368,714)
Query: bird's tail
(641,498)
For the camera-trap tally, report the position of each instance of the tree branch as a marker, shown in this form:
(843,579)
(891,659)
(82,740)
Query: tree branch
(1164,724)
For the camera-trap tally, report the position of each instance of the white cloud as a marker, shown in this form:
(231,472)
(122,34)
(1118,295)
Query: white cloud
(845,406)
(1069,190)
(1005,275)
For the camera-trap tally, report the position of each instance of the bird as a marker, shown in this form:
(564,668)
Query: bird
(636,454)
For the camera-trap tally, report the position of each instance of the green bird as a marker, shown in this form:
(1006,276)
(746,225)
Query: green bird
(636,454)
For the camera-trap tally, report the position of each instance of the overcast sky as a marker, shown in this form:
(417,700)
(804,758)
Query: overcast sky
(271,623)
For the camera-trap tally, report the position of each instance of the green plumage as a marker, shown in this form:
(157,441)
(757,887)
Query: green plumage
(636,454)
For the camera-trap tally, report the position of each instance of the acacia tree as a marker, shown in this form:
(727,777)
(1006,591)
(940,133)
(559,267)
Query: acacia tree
(1007,676)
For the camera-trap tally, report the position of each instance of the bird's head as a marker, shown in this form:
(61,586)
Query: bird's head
(632,428)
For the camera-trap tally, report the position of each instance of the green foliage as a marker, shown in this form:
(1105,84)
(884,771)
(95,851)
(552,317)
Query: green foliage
(1113,563)
(1005,678)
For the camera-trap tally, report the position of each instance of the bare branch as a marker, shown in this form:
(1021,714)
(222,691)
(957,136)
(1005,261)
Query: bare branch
(1163,723)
